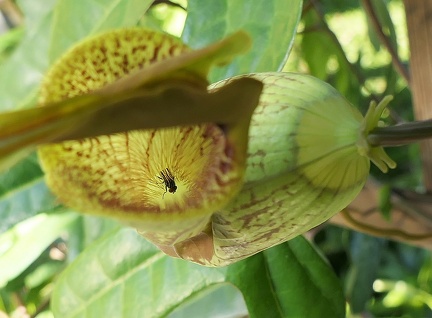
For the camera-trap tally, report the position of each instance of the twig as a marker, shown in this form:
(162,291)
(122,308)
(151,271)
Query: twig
(44,305)
(306,7)
(11,12)
(383,232)
(399,66)
(18,298)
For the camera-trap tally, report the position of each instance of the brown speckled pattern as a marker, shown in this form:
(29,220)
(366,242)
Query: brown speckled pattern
(117,175)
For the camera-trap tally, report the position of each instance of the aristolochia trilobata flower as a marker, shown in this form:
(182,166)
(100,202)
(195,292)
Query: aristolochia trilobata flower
(197,191)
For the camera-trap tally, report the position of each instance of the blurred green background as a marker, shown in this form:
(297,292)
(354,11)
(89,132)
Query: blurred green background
(335,42)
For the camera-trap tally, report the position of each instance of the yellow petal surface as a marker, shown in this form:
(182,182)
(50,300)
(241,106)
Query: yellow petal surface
(165,182)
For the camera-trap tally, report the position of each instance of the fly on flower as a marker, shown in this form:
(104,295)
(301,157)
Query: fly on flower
(168,180)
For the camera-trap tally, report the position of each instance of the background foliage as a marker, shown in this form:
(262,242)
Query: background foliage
(55,261)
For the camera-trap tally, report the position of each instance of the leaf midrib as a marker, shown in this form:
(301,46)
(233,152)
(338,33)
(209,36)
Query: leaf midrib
(120,280)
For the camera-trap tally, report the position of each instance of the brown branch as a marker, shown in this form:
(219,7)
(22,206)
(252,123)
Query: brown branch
(410,221)
(11,12)
(397,63)
(306,7)
(378,231)
(18,298)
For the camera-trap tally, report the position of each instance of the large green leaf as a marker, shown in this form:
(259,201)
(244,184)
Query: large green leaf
(22,244)
(122,275)
(93,16)
(23,193)
(95,227)
(21,72)
(272,24)
(289,280)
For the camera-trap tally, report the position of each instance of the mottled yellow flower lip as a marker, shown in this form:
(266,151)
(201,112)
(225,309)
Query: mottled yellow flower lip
(104,59)
(170,179)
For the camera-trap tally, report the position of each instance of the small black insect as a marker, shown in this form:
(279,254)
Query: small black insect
(168,180)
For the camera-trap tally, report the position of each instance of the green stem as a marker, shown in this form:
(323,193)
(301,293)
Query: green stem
(401,134)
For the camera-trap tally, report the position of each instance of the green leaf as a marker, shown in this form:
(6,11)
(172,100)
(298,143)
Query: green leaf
(45,314)
(123,275)
(96,227)
(384,19)
(23,193)
(320,50)
(289,280)
(366,254)
(43,273)
(23,243)
(317,47)
(222,300)
(85,231)
(93,16)
(272,24)
(9,40)
(21,72)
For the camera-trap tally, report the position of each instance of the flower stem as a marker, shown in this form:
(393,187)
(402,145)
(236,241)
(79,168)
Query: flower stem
(401,134)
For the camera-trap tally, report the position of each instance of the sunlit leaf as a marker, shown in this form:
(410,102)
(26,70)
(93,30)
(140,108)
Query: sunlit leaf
(22,244)
(272,24)
(93,16)
(22,71)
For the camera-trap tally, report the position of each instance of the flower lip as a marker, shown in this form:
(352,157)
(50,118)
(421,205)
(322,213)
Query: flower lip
(169,179)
